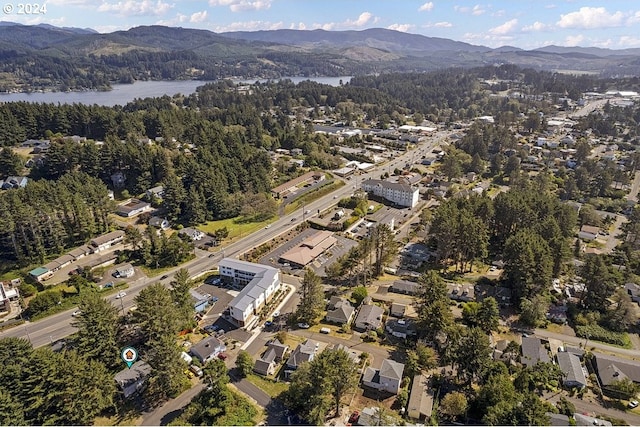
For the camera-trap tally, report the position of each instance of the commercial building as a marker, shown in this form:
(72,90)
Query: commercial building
(311,248)
(291,185)
(260,284)
(397,193)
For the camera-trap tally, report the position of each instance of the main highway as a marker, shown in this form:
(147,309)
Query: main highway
(58,326)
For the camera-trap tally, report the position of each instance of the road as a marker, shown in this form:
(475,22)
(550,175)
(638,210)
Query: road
(576,341)
(594,408)
(46,331)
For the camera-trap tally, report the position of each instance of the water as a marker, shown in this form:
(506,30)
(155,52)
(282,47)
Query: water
(123,93)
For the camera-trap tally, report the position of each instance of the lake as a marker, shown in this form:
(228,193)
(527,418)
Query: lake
(123,93)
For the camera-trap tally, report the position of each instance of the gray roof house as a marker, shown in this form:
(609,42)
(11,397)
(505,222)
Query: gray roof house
(268,363)
(207,349)
(634,291)
(304,352)
(572,370)
(533,351)
(131,380)
(400,328)
(158,222)
(340,311)
(420,404)
(405,287)
(611,369)
(397,309)
(369,318)
(387,378)
(586,420)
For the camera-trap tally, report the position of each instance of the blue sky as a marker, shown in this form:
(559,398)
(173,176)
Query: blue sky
(523,23)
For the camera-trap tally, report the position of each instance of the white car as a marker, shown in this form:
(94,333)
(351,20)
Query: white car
(121,294)
(633,404)
(76,313)
(268,226)
(276,313)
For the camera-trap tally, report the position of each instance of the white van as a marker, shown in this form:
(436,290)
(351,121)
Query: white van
(325,330)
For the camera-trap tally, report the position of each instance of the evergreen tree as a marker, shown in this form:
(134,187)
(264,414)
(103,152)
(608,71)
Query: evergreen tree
(311,298)
(97,326)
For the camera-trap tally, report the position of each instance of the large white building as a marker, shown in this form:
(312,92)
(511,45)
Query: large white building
(260,284)
(398,193)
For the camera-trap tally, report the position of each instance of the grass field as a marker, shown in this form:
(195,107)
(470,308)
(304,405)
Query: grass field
(236,227)
(270,387)
(312,195)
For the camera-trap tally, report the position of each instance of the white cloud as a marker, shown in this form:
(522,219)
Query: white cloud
(136,7)
(574,40)
(242,5)
(71,2)
(401,27)
(504,29)
(628,41)
(536,26)
(198,16)
(107,28)
(441,24)
(299,26)
(591,17)
(475,10)
(249,26)
(487,39)
(428,6)
(363,19)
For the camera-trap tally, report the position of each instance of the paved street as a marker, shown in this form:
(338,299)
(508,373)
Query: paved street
(594,408)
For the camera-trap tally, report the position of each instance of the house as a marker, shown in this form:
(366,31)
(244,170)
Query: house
(80,252)
(124,271)
(533,352)
(371,417)
(59,263)
(340,311)
(461,292)
(396,193)
(200,302)
(155,192)
(572,370)
(387,378)
(260,283)
(611,369)
(41,273)
(420,404)
(14,182)
(132,208)
(291,185)
(369,318)
(207,349)
(634,291)
(588,232)
(586,420)
(405,287)
(106,241)
(156,221)
(192,233)
(398,310)
(131,380)
(275,353)
(400,328)
(304,352)
(8,293)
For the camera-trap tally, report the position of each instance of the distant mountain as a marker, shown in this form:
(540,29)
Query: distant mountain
(45,56)
(595,51)
(378,38)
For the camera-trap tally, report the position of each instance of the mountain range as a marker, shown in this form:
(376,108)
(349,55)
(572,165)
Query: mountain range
(168,53)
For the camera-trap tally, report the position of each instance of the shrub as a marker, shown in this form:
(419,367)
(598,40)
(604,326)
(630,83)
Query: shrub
(598,333)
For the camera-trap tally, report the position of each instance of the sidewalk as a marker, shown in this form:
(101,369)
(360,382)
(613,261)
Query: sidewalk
(258,328)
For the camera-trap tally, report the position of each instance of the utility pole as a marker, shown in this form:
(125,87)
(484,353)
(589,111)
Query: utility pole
(26,330)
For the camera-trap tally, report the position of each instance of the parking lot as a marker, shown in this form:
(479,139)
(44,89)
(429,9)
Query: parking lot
(341,247)
(214,315)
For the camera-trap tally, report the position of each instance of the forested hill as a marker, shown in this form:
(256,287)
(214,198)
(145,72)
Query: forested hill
(50,58)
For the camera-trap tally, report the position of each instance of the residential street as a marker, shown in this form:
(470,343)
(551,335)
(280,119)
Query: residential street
(594,408)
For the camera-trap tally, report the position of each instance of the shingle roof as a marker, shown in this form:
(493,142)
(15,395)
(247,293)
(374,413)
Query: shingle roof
(571,368)
(391,369)
(611,368)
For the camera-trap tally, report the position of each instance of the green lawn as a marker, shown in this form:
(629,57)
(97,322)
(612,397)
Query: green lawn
(270,387)
(235,226)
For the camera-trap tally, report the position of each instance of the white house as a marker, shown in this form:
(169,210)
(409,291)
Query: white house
(387,378)
(400,194)
(106,241)
(260,284)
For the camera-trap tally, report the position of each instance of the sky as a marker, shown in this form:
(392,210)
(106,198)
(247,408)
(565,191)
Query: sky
(527,24)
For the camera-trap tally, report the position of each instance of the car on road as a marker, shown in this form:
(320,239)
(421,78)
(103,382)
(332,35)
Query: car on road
(268,226)
(76,313)
(164,277)
(633,404)
(293,219)
(121,294)
(303,325)
(307,211)
(276,313)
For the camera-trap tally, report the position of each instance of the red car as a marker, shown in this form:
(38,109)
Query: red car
(354,417)
(222,356)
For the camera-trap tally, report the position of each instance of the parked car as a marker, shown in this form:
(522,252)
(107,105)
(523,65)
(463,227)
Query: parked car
(293,219)
(268,323)
(633,404)
(164,277)
(211,328)
(108,285)
(303,325)
(76,313)
(325,330)
(276,313)
(354,417)
(196,370)
(222,356)
(121,294)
